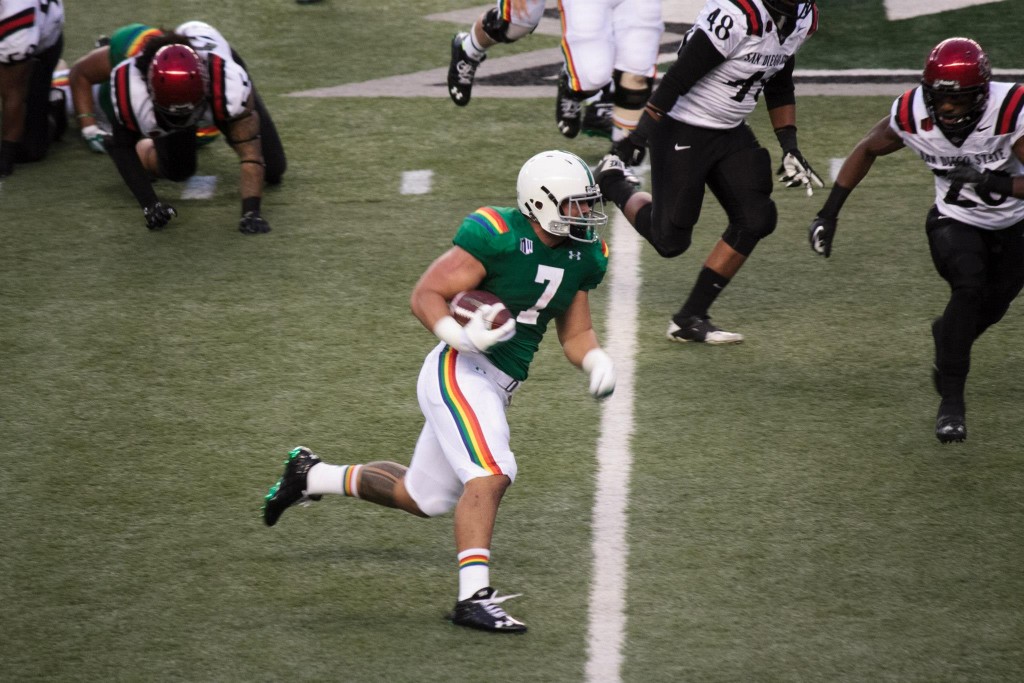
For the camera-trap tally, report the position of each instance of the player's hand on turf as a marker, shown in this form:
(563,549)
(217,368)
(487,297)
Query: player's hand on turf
(820,234)
(253,224)
(479,333)
(601,369)
(94,137)
(158,215)
(796,171)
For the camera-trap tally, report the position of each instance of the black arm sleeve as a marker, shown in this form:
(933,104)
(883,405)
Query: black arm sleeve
(121,148)
(779,90)
(697,58)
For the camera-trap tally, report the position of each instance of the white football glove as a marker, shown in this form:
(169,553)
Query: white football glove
(796,171)
(479,333)
(476,336)
(94,137)
(602,373)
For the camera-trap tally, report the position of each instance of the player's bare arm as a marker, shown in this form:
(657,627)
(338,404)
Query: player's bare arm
(244,136)
(452,272)
(880,141)
(783,116)
(89,69)
(576,331)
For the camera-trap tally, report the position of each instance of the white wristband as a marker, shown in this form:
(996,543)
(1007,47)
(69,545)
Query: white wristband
(448,330)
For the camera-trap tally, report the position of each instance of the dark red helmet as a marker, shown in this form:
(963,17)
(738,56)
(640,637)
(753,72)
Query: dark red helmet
(790,8)
(957,67)
(177,84)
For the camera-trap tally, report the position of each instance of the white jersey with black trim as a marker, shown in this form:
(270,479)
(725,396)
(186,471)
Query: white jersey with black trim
(745,34)
(228,85)
(28,27)
(989,147)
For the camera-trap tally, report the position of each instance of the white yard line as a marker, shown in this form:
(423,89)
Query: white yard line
(906,9)
(607,610)
(200,187)
(416,182)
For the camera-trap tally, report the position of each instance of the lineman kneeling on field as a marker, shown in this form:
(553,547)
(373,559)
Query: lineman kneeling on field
(179,81)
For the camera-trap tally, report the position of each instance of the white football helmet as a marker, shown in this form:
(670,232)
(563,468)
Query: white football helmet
(550,185)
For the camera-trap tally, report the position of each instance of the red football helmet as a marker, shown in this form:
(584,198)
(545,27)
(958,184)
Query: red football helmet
(177,84)
(790,8)
(957,70)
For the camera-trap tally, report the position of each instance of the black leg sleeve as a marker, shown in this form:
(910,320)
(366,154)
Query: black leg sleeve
(273,149)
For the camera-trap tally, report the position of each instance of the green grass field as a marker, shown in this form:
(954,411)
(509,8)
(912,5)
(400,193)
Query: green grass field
(792,516)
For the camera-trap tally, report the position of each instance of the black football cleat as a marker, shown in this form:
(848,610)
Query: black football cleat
(291,487)
(567,108)
(950,426)
(699,329)
(461,72)
(597,119)
(482,611)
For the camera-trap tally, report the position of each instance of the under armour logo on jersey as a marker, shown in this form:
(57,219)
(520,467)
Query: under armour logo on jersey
(526,245)
(575,255)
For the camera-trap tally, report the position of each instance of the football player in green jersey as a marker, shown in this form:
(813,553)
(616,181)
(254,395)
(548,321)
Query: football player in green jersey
(541,259)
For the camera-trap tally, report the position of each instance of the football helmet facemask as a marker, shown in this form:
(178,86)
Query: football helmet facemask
(177,83)
(957,68)
(557,190)
(787,8)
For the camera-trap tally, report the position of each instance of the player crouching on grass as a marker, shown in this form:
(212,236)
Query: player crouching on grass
(541,260)
(180,81)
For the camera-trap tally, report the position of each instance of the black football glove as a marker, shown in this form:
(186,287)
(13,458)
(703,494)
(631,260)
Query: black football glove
(631,150)
(820,234)
(253,224)
(983,181)
(158,215)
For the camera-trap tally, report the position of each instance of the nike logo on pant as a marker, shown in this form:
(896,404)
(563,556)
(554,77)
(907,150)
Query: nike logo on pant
(679,148)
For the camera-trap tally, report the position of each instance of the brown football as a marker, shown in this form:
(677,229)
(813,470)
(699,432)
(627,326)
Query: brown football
(464,304)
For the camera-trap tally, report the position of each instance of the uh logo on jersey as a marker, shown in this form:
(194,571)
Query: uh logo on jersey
(526,245)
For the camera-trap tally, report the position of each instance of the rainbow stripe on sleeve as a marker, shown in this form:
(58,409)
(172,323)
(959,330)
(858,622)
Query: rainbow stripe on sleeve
(470,431)
(135,46)
(490,219)
(604,249)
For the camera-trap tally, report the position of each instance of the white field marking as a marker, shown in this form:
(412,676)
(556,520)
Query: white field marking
(432,82)
(607,610)
(834,164)
(416,182)
(677,12)
(905,9)
(199,187)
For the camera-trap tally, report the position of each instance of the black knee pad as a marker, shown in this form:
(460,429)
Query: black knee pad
(759,224)
(669,241)
(628,98)
(496,27)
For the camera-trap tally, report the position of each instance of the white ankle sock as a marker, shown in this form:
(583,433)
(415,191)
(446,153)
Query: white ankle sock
(338,479)
(474,571)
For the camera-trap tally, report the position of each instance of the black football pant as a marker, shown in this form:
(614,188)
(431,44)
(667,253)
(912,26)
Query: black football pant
(38,129)
(176,153)
(985,272)
(685,159)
